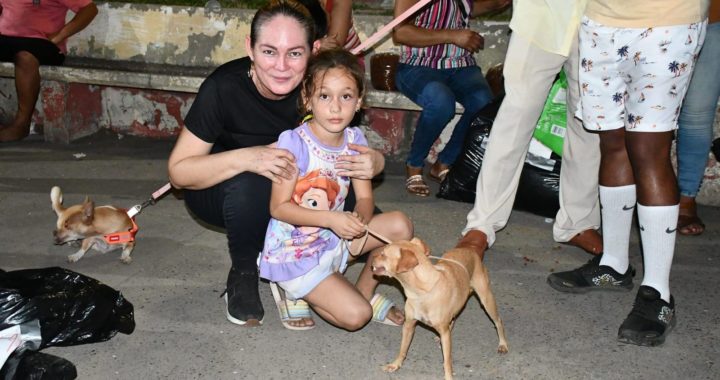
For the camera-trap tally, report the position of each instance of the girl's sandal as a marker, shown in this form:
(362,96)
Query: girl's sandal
(416,186)
(291,311)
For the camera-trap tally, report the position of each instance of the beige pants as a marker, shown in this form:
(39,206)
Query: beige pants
(529,73)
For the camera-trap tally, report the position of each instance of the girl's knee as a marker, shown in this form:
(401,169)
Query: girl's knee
(401,227)
(357,316)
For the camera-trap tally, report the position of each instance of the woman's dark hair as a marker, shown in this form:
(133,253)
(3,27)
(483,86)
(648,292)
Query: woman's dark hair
(330,59)
(318,14)
(288,8)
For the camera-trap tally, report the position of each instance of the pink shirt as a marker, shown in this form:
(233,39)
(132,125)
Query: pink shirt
(23,18)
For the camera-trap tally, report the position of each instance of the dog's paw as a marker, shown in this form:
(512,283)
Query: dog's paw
(126,259)
(392,367)
(73,258)
(502,349)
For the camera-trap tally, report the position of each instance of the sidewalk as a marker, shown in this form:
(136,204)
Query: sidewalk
(179,269)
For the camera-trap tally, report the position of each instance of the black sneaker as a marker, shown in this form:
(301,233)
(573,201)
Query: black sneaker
(242,299)
(592,276)
(650,320)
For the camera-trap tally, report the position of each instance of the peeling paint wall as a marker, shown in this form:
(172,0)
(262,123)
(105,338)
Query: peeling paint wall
(191,37)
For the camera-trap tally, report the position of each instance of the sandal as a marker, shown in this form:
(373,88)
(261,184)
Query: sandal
(438,172)
(690,225)
(291,311)
(416,186)
(381,306)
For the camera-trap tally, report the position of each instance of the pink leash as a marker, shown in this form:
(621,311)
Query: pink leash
(388,27)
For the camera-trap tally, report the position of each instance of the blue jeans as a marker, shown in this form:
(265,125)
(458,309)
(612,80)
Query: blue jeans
(436,91)
(695,124)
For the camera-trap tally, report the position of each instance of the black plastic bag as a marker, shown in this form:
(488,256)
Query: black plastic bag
(32,365)
(716,148)
(460,182)
(71,308)
(538,189)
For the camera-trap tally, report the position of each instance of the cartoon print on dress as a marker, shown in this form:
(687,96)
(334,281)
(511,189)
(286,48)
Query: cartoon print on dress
(317,190)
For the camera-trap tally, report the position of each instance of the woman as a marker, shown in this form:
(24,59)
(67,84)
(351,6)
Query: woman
(225,156)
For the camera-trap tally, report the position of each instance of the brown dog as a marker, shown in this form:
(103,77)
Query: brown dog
(93,225)
(436,293)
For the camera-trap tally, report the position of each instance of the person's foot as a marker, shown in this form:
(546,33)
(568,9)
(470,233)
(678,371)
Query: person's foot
(14,132)
(438,171)
(243,299)
(589,241)
(396,315)
(688,221)
(590,277)
(475,240)
(650,320)
(414,182)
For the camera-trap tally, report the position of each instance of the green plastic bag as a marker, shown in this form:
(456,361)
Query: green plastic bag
(551,126)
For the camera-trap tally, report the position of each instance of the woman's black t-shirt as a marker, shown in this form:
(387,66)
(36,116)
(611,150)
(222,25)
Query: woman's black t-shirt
(230,113)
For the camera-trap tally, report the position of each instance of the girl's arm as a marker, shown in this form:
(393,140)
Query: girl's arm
(191,166)
(282,208)
(364,202)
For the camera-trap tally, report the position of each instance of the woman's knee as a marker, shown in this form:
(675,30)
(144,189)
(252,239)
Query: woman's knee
(438,98)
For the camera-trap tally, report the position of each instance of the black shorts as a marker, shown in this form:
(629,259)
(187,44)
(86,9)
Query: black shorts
(46,52)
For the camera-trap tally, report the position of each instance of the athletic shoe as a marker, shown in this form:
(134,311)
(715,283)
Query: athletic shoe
(242,299)
(650,320)
(592,276)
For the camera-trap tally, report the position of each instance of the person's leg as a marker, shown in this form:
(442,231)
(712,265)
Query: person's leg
(337,301)
(579,214)
(27,86)
(529,73)
(473,92)
(394,226)
(695,130)
(240,205)
(426,87)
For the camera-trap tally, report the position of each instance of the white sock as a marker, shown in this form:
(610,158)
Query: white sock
(658,225)
(618,204)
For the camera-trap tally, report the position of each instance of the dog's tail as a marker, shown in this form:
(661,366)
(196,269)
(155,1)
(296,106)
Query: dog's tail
(56,198)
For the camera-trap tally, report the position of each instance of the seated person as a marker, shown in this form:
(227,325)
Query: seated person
(33,33)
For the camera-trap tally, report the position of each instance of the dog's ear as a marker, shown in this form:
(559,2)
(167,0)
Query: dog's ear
(88,211)
(421,244)
(407,261)
(56,198)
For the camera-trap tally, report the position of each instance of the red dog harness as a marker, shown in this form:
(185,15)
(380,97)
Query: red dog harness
(123,236)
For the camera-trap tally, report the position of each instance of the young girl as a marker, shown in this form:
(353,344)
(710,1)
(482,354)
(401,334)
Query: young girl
(307,261)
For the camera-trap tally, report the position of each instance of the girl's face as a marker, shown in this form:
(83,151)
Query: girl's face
(333,103)
(280,56)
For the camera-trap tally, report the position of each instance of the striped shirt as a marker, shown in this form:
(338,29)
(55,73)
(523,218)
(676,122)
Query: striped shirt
(441,14)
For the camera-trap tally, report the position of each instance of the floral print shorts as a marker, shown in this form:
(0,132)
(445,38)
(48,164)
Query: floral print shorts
(635,78)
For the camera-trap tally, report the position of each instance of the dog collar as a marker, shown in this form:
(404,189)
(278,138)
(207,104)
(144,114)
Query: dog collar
(123,236)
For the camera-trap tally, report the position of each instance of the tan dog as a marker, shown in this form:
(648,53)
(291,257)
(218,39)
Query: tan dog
(90,224)
(436,293)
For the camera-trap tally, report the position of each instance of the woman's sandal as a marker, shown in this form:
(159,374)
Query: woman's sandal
(381,307)
(441,174)
(416,186)
(291,311)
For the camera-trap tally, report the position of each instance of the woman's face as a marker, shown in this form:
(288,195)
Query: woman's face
(280,56)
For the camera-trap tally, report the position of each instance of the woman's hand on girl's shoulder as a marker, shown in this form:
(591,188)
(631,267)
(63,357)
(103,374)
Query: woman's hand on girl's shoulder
(271,162)
(365,165)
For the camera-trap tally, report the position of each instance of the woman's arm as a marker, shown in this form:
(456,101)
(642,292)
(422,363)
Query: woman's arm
(340,20)
(410,35)
(191,166)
